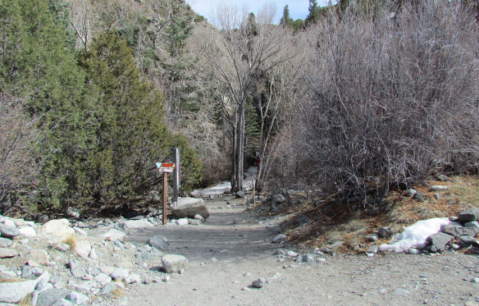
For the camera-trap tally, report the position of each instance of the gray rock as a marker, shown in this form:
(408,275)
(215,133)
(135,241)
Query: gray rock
(419,196)
(469,215)
(8,253)
(414,251)
(373,249)
(37,271)
(63,302)
(83,248)
(103,279)
(239,194)
(71,212)
(384,232)
(442,178)
(401,292)
(133,224)
(258,283)
(5,243)
(436,196)
(438,188)
(16,291)
(132,279)
(9,231)
(306,258)
(26,271)
(440,241)
(107,289)
(190,211)
(372,237)
(75,269)
(194,222)
(174,263)
(472,224)
(146,256)
(457,231)
(182,221)
(199,217)
(63,247)
(77,298)
(43,285)
(86,287)
(159,242)
(279,198)
(410,192)
(39,255)
(93,254)
(51,296)
(119,273)
(467,239)
(114,235)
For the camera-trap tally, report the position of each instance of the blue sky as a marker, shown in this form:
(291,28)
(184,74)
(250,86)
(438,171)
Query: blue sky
(297,8)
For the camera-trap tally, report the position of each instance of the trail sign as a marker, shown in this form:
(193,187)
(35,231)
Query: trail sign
(165,168)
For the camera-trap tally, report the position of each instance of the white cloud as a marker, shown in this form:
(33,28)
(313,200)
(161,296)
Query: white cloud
(297,8)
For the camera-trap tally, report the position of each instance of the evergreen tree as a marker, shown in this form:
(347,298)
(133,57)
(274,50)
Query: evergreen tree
(314,13)
(285,20)
(38,66)
(133,135)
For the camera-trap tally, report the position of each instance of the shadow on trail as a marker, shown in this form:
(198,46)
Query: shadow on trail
(217,238)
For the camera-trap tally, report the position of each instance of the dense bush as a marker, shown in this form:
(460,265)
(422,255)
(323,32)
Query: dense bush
(392,98)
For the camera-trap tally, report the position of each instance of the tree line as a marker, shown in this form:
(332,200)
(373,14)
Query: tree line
(360,94)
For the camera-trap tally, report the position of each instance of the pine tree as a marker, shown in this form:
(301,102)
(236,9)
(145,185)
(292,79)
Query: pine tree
(285,20)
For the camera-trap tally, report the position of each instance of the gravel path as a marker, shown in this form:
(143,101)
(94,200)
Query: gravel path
(225,258)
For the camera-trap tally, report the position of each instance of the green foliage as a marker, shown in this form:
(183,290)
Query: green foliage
(132,135)
(38,66)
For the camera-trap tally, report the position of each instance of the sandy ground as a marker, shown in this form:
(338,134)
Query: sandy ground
(225,258)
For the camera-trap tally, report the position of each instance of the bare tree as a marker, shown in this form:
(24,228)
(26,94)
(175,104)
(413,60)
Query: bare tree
(246,50)
(392,98)
(17,163)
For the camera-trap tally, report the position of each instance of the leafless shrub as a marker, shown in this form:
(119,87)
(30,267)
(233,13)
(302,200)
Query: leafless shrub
(390,98)
(17,165)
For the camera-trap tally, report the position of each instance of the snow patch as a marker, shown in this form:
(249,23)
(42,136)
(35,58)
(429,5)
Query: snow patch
(415,236)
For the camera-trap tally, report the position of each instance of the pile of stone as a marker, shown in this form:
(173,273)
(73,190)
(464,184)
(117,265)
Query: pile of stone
(460,234)
(81,264)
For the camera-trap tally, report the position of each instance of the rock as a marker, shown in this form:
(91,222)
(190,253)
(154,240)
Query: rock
(83,248)
(63,247)
(438,188)
(71,212)
(113,235)
(414,251)
(194,222)
(57,228)
(174,263)
(182,221)
(4,242)
(457,231)
(75,269)
(80,232)
(190,210)
(93,254)
(8,253)
(279,198)
(52,296)
(199,217)
(7,231)
(401,292)
(436,196)
(279,238)
(306,258)
(107,289)
(27,232)
(239,194)
(26,271)
(372,237)
(16,291)
(472,224)
(410,192)
(119,274)
(159,242)
(373,249)
(131,224)
(440,241)
(103,279)
(420,197)
(442,178)
(133,278)
(258,283)
(469,215)
(40,256)
(291,253)
(384,232)
(467,239)
(77,298)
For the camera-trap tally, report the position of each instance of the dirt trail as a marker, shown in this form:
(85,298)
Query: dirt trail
(224,259)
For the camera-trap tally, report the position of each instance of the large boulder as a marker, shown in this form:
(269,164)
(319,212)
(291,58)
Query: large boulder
(469,215)
(189,207)
(58,228)
(439,242)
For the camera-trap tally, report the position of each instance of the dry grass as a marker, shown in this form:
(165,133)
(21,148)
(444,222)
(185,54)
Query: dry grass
(117,292)
(11,280)
(352,227)
(26,301)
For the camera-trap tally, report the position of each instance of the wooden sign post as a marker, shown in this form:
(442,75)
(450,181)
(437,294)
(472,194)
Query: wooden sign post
(165,169)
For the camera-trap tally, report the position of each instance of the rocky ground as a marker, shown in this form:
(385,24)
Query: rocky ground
(231,261)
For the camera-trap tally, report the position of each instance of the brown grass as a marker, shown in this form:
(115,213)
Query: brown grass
(331,222)
(26,301)
(117,292)
(10,280)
